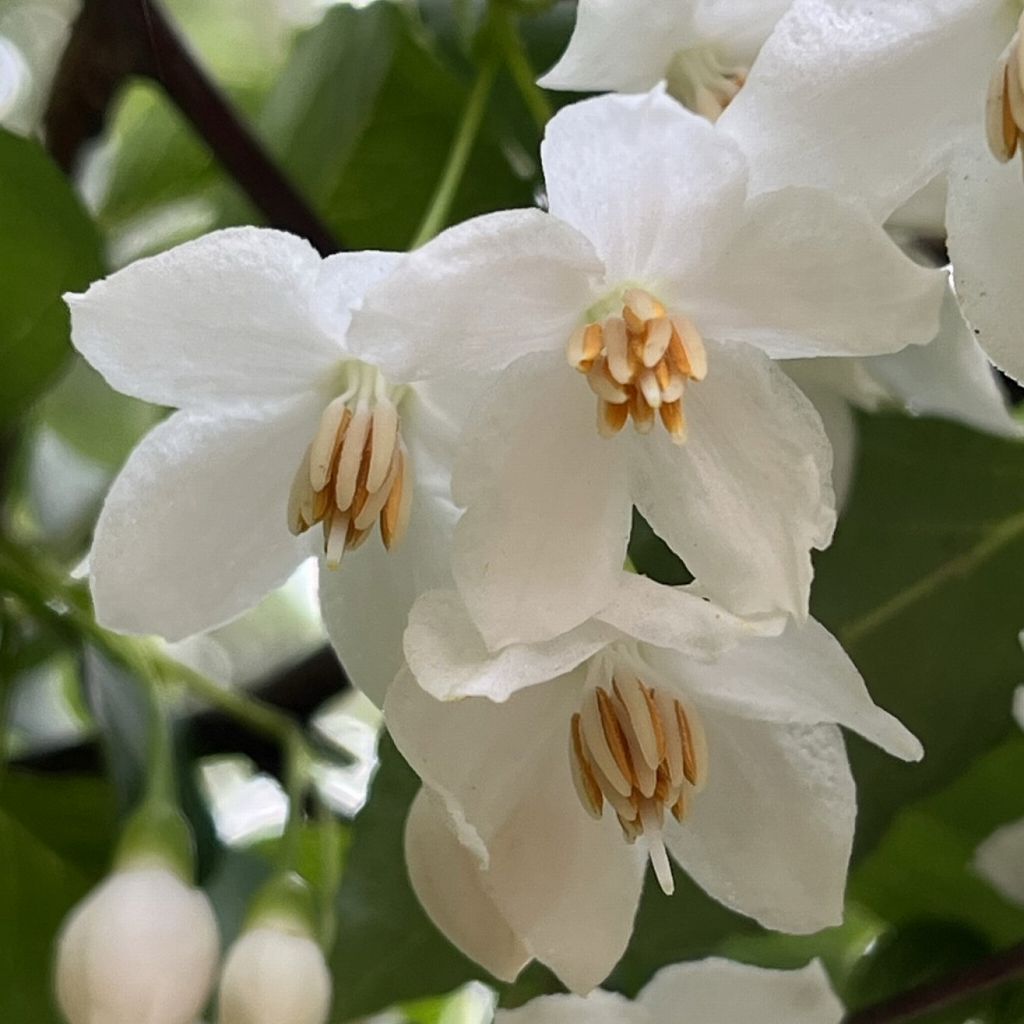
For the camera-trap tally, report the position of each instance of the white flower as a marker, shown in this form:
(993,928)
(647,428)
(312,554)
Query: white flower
(705,992)
(243,333)
(674,725)
(703,49)
(141,947)
(874,100)
(274,974)
(659,276)
(1000,859)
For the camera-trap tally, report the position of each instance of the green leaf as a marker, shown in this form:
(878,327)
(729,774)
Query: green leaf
(54,846)
(923,588)
(48,245)
(387,949)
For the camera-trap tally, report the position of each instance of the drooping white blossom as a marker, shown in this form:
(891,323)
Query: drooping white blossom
(669,287)
(664,726)
(143,946)
(277,429)
(709,991)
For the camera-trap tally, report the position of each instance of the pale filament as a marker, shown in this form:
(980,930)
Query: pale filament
(355,472)
(1004,108)
(639,364)
(643,752)
(702,80)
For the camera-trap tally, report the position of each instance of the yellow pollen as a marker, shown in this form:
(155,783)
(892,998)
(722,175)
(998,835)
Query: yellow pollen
(1004,107)
(355,472)
(641,751)
(638,365)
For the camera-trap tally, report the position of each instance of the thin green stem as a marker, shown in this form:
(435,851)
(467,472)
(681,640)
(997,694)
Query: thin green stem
(161,783)
(440,205)
(522,71)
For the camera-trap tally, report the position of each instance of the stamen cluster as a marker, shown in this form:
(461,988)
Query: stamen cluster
(1004,110)
(638,365)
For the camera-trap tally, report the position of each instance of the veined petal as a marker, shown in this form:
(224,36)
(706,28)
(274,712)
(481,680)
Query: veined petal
(655,188)
(194,530)
(802,676)
(625,47)
(449,881)
(720,990)
(750,493)
(986,244)
(541,545)
(949,377)
(227,320)
(812,275)
(366,601)
(772,831)
(865,99)
(567,885)
(599,1007)
(478,297)
(449,659)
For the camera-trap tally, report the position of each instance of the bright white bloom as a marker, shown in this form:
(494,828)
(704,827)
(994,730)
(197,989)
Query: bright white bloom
(141,947)
(275,974)
(1000,859)
(702,49)
(873,100)
(243,333)
(706,992)
(663,724)
(668,286)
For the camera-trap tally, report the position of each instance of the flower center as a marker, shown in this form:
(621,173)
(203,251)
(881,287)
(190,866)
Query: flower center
(642,751)
(356,470)
(703,81)
(638,365)
(1004,108)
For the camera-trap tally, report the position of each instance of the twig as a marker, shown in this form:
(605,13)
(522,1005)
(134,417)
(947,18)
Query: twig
(115,39)
(936,995)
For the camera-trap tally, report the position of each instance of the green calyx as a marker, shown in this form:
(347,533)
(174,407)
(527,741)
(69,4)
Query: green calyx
(157,834)
(286,903)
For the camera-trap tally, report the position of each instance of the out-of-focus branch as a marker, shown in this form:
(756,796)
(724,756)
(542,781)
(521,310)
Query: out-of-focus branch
(908,1006)
(113,40)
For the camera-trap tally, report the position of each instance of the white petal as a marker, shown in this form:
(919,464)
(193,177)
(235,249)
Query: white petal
(986,245)
(449,659)
(229,319)
(679,618)
(343,281)
(365,603)
(864,99)
(655,188)
(194,530)
(142,946)
(1000,861)
(770,834)
(477,297)
(271,977)
(542,542)
(714,991)
(802,676)
(625,47)
(738,28)
(749,494)
(567,885)
(449,881)
(597,1008)
(809,274)
(949,377)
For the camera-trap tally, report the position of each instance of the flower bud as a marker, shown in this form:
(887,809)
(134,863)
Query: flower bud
(275,972)
(143,946)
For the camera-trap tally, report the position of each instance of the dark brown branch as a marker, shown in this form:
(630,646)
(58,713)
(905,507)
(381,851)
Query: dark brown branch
(907,1006)
(115,39)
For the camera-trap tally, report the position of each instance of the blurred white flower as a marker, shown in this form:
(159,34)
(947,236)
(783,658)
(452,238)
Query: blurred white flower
(698,734)
(143,946)
(666,283)
(702,49)
(705,992)
(244,333)
(274,974)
